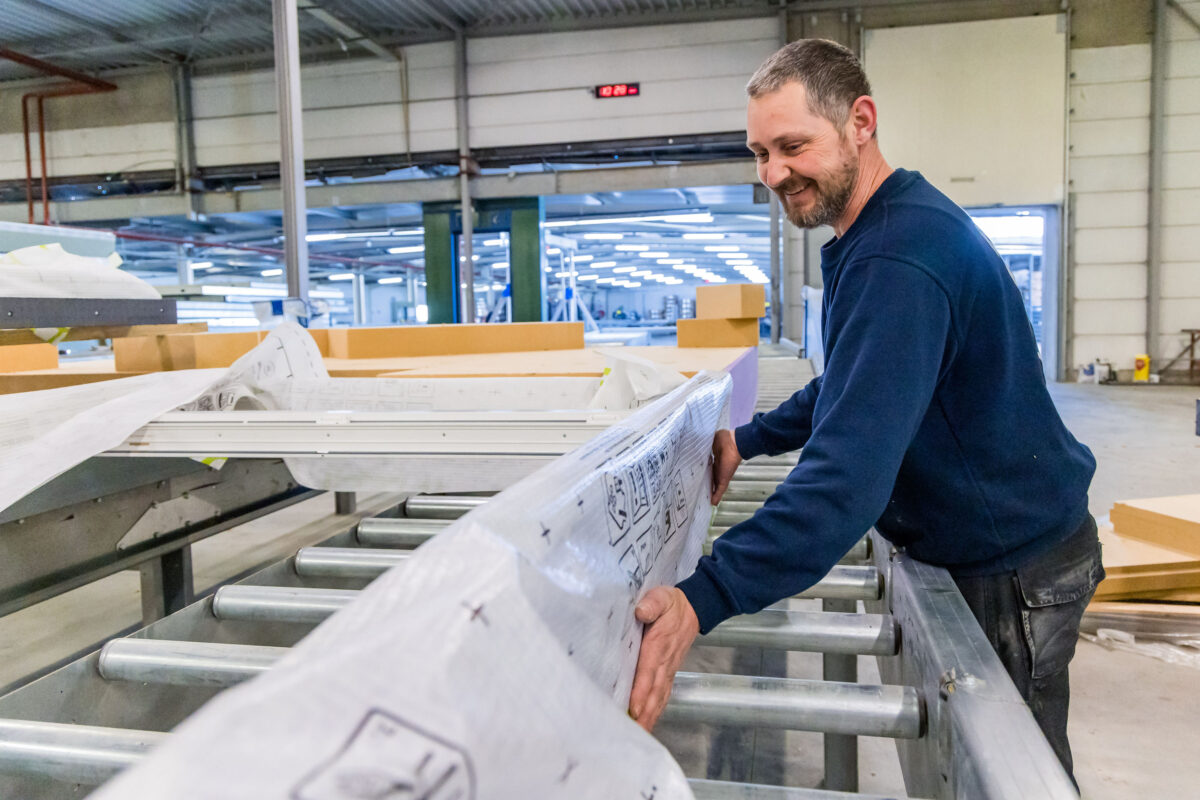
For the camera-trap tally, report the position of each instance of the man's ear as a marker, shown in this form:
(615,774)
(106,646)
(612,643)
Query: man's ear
(864,116)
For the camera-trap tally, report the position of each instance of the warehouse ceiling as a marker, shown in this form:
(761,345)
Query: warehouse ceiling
(99,35)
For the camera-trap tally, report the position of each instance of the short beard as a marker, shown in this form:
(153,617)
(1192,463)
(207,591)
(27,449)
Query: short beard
(833,195)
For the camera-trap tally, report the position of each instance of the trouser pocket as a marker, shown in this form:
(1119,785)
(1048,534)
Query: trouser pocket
(1055,590)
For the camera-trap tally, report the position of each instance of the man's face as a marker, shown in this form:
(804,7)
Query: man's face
(802,157)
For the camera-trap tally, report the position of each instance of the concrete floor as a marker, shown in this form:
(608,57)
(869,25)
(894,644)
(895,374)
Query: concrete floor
(1133,720)
(1133,723)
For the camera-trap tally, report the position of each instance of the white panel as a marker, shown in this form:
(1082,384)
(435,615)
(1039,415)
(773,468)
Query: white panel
(1119,350)
(1183,132)
(1181,279)
(1171,344)
(1181,207)
(1111,64)
(1110,137)
(1110,246)
(1109,317)
(1178,28)
(1109,174)
(515,48)
(1183,96)
(1181,244)
(1181,170)
(1183,59)
(83,151)
(965,102)
(1111,209)
(1178,315)
(1110,281)
(1110,100)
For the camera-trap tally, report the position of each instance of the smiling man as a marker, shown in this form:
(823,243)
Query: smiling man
(931,422)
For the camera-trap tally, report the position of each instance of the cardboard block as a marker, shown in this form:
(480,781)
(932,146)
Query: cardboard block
(731,301)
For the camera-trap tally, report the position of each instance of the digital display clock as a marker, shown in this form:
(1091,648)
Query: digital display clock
(618,90)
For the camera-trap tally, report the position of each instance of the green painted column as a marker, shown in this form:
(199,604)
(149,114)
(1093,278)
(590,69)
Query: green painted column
(440,279)
(525,258)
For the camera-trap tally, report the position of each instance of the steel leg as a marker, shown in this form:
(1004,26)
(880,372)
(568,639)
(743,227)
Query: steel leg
(841,751)
(166,584)
(344,502)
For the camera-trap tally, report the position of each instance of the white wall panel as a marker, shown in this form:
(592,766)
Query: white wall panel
(1108,317)
(1111,64)
(89,151)
(1110,281)
(1110,245)
(1181,243)
(1183,59)
(1181,170)
(1181,279)
(1110,100)
(1107,137)
(965,102)
(1180,31)
(1182,133)
(1113,348)
(1111,209)
(1178,314)
(1110,173)
(1183,96)
(1181,207)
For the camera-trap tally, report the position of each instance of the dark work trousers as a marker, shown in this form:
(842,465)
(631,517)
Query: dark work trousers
(1031,617)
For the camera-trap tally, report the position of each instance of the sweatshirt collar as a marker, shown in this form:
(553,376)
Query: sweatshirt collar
(833,250)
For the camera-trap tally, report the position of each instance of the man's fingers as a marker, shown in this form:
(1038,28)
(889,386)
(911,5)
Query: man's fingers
(653,605)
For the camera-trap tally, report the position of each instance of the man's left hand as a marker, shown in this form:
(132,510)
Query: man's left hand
(671,627)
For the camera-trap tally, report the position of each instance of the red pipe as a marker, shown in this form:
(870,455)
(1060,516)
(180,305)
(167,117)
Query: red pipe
(81,84)
(270,251)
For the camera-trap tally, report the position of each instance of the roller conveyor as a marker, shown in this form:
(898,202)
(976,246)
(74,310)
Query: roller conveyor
(944,699)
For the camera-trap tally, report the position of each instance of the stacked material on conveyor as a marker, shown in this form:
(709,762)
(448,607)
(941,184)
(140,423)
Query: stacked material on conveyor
(508,640)
(50,271)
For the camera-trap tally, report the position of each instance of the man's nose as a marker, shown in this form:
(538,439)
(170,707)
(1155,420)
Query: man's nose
(775,174)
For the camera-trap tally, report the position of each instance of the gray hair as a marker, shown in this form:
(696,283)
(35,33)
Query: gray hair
(831,75)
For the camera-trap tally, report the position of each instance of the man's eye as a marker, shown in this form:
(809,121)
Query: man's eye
(761,156)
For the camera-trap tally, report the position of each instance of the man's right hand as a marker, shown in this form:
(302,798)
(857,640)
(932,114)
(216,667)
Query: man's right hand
(725,462)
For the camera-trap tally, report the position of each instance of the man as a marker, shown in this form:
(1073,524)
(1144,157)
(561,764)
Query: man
(931,422)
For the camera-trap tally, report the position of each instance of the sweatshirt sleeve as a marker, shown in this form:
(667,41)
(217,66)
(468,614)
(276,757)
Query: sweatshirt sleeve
(783,430)
(890,333)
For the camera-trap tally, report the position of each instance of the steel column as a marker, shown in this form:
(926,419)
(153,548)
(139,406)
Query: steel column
(344,502)
(167,584)
(291,146)
(466,264)
(1158,103)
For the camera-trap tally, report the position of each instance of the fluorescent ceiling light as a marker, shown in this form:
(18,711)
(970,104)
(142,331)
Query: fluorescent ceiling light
(633,248)
(641,273)
(564,274)
(500,265)
(417,248)
(606,280)
(589,277)
(201,264)
(271,273)
(602,264)
(670,261)
(654,254)
(493,242)
(582,258)
(704,236)
(624,269)
(740,262)
(474,257)
(703,216)
(738,255)
(393,279)
(721,248)
(336,235)
(604,236)
(340,276)
(553,251)
(632,284)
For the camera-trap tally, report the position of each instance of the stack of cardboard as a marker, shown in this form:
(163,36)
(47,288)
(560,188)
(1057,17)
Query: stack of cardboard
(1153,552)
(726,316)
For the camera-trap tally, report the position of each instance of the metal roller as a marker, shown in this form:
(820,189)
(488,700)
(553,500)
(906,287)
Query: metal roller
(749,471)
(809,631)
(74,753)
(793,704)
(848,582)
(749,490)
(731,512)
(728,790)
(184,663)
(398,531)
(775,629)
(861,551)
(437,506)
(786,460)
(719,699)
(346,562)
(279,603)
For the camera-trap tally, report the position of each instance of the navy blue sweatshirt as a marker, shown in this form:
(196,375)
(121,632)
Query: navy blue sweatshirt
(931,422)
